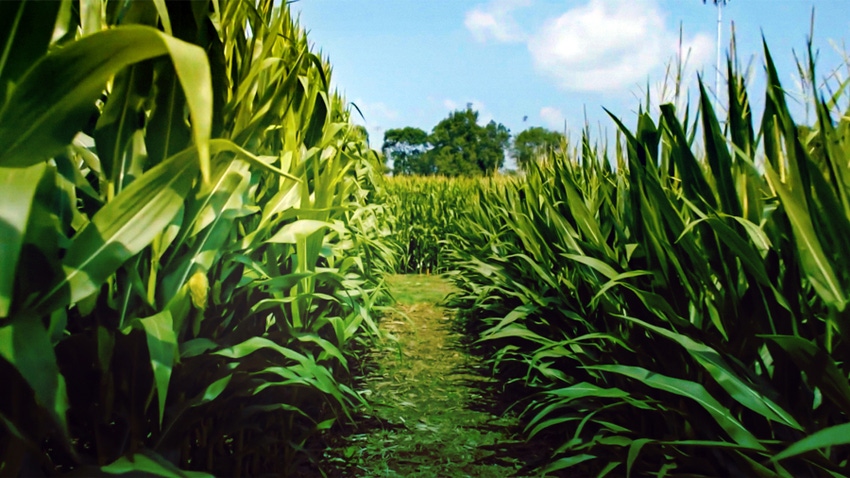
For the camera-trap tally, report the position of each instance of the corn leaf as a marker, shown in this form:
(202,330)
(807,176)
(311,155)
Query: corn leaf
(726,377)
(24,343)
(828,437)
(694,391)
(121,229)
(18,186)
(149,463)
(55,98)
(162,348)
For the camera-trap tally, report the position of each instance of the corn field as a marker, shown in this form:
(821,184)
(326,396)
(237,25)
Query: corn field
(676,306)
(194,239)
(424,211)
(188,240)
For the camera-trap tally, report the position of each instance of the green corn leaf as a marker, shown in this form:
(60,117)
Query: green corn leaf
(328,349)
(693,180)
(18,186)
(149,463)
(167,131)
(162,348)
(694,391)
(24,343)
(303,228)
(720,370)
(585,389)
(213,390)
(820,369)
(55,98)
(595,264)
(828,437)
(25,31)
(717,156)
(634,451)
(584,217)
(119,120)
(514,332)
(121,229)
(817,266)
(195,347)
(563,463)
(257,343)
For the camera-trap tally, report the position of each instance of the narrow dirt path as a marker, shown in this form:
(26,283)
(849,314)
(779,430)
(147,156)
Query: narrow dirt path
(430,414)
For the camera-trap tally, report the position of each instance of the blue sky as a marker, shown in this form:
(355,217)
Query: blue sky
(409,63)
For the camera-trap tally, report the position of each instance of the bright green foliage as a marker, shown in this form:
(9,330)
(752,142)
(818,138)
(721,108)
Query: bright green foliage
(535,143)
(667,308)
(408,150)
(425,211)
(189,239)
(457,146)
(462,147)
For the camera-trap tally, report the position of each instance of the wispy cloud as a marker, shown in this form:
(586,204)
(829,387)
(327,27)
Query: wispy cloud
(552,117)
(484,115)
(376,116)
(602,45)
(495,21)
(608,45)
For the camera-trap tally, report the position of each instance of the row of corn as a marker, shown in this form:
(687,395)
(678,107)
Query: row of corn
(188,248)
(423,212)
(676,305)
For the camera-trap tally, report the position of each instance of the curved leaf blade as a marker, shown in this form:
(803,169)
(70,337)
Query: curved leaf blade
(57,95)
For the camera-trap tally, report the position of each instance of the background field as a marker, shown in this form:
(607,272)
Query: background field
(198,245)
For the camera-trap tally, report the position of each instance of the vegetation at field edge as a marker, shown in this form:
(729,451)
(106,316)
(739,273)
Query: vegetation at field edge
(191,242)
(674,306)
(196,245)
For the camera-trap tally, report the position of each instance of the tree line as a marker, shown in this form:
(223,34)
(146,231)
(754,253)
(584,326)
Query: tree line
(459,146)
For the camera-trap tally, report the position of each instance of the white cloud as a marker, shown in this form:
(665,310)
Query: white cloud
(698,50)
(553,117)
(450,105)
(494,21)
(602,45)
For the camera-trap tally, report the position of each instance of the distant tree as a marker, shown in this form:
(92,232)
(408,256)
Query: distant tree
(530,144)
(462,147)
(492,152)
(407,148)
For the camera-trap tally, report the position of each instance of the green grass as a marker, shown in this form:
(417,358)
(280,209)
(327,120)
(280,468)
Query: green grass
(431,413)
(409,289)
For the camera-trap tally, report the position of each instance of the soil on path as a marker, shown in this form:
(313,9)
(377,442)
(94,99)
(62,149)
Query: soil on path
(432,415)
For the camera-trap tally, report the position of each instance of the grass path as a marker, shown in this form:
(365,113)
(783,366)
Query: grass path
(431,415)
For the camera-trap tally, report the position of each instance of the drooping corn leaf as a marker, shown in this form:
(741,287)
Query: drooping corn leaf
(18,186)
(55,98)
(162,348)
(726,377)
(24,343)
(828,437)
(121,229)
(693,391)
(149,463)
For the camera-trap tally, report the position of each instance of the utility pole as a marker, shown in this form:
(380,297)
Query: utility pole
(719,5)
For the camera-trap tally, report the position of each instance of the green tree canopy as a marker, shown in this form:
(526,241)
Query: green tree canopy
(407,148)
(462,147)
(530,144)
